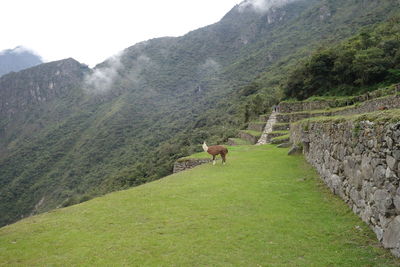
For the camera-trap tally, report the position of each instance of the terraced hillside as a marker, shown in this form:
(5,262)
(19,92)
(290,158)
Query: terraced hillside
(353,142)
(126,121)
(263,208)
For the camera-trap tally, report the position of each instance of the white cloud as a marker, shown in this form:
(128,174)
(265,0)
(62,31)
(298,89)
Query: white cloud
(263,5)
(92,30)
(102,78)
(18,50)
(100,81)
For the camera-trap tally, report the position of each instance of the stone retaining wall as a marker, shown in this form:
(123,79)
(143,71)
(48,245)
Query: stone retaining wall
(264,117)
(256,126)
(295,106)
(189,164)
(360,162)
(288,107)
(292,117)
(231,142)
(246,136)
(389,102)
(280,127)
(273,135)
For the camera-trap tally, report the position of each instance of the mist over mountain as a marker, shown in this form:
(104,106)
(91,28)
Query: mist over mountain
(69,133)
(17,59)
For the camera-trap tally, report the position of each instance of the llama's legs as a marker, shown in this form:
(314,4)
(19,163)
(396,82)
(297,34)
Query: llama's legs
(214,160)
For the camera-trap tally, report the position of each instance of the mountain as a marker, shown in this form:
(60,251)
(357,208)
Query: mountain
(17,59)
(71,135)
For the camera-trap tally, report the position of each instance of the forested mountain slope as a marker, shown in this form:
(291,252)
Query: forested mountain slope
(125,122)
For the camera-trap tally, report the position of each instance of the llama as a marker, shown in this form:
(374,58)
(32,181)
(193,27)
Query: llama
(216,150)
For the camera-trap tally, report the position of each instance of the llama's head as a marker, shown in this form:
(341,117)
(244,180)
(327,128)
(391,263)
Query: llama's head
(205,147)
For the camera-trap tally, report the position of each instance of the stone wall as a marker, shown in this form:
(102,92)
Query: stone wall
(288,107)
(281,127)
(296,116)
(388,102)
(360,162)
(182,165)
(256,126)
(246,136)
(296,106)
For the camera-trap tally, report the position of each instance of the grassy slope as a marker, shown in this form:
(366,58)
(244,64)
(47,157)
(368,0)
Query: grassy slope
(263,208)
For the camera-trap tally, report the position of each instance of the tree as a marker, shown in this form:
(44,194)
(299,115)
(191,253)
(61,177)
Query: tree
(370,65)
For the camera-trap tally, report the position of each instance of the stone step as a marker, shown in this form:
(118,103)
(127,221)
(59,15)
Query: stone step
(275,134)
(256,126)
(281,127)
(250,136)
(280,139)
(296,106)
(264,117)
(296,116)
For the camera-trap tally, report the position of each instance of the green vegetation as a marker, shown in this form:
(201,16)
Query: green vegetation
(282,124)
(253,133)
(280,139)
(263,208)
(279,132)
(258,122)
(360,64)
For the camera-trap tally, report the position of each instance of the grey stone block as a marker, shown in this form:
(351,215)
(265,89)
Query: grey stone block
(391,235)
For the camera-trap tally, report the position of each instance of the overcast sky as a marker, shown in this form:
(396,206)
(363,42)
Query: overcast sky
(92,30)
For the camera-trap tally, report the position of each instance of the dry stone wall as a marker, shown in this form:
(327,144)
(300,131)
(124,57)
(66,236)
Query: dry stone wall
(389,102)
(360,162)
(188,164)
(288,107)
(376,96)
(246,136)
(256,126)
(296,116)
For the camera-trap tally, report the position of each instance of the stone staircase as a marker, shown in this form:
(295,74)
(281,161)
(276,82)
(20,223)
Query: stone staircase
(252,134)
(263,131)
(267,130)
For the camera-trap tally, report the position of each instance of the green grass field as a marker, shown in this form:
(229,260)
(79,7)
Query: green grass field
(263,208)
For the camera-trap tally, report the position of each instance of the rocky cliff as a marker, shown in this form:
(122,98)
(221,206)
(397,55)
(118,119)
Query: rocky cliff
(20,90)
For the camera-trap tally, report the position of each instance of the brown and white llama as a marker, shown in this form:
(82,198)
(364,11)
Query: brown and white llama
(216,150)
